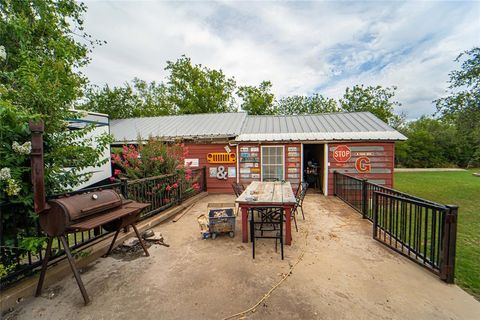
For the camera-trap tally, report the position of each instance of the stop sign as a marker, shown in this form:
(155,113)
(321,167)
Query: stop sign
(342,153)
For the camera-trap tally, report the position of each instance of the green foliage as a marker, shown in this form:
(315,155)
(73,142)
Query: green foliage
(198,89)
(257,100)
(139,99)
(431,144)
(315,103)
(462,106)
(153,158)
(5,270)
(377,100)
(42,48)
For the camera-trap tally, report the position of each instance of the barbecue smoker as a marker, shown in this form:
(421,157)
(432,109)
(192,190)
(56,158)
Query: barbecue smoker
(77,213)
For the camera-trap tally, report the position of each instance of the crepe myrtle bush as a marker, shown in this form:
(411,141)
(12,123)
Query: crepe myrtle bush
(154,158)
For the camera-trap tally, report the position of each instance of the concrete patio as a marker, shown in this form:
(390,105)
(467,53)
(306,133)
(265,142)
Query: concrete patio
(344,274)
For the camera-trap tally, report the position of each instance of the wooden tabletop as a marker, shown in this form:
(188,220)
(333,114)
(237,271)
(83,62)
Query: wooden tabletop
(269,193)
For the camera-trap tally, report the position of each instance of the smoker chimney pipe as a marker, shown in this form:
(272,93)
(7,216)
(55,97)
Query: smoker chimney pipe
(36,161)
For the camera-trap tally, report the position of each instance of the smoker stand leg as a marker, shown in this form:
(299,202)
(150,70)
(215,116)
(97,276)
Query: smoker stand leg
(44,267)
(74,270)
(113,243)
(140,239)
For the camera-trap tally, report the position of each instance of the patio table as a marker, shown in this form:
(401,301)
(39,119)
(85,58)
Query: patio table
(267,194)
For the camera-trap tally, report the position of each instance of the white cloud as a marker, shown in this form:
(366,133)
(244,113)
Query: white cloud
(300,47)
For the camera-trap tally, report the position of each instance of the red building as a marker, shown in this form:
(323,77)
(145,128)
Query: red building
(243,148)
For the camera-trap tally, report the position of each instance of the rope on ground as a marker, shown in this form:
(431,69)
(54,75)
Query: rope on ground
(267,295)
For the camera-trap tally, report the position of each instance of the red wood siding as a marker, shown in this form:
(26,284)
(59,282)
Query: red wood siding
(200,151)
(381,157)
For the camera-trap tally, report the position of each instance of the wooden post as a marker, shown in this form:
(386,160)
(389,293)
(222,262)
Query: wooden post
(244,224)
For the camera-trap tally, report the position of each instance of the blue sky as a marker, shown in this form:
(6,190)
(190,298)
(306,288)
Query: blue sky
(301,47)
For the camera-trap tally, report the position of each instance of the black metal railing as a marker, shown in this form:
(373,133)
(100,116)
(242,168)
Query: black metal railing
(422,230)
(17,262)
(418,230)
(358,193)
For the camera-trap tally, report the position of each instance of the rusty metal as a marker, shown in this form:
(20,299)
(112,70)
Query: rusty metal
(36,160)
(81,212)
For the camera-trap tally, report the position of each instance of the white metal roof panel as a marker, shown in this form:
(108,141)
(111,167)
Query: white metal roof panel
(207,125)
(317,127)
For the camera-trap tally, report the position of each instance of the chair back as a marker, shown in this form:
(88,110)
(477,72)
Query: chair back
(237,189)
(302,193)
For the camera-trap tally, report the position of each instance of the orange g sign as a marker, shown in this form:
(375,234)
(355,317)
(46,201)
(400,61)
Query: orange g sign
(362,164)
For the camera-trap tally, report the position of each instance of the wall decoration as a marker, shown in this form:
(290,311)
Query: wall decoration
(212,171)
(244,170)
(254,149)
(232,172)
(362,164)
(221,173)
(221,157)
(191,162)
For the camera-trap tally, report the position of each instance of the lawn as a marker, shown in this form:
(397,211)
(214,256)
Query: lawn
(462,189)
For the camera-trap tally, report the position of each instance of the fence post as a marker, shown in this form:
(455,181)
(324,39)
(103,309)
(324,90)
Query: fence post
(364,198)
(124,192)
(204,179)
(335,183)
(375,214)
(124,187)
(449,241)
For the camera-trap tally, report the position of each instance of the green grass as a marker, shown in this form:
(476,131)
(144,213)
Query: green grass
(462,189)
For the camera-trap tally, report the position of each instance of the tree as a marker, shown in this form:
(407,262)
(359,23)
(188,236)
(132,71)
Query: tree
(377,100)
(43,48)
(462,106)
(306,105)
(257,100)
(198,89)
(139,99)
(431,144)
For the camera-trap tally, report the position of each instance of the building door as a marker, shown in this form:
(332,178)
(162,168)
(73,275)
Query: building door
(314,165)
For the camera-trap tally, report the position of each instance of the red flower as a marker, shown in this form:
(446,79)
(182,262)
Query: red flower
(168,187)
(175,185)
(112,179)
(116,172)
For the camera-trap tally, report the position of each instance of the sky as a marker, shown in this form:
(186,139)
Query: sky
(301,47)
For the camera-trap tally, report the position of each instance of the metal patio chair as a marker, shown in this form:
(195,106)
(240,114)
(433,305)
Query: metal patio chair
(272,216)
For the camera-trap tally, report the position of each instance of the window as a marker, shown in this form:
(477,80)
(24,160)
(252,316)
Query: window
(272,163)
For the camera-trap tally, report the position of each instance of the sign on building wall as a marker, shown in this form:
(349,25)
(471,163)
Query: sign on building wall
(192,163)
(342,153)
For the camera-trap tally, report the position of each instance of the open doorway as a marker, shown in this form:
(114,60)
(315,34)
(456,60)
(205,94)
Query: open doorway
(313,166)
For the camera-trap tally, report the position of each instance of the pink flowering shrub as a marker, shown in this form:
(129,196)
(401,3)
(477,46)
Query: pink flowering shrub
(153,158)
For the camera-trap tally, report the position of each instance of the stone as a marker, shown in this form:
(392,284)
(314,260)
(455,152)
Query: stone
(130,242)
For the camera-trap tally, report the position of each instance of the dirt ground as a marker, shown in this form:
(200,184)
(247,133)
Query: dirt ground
(344,275)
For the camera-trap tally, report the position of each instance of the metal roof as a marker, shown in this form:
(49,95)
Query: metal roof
(207,125)
(244,128)
(317,127)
